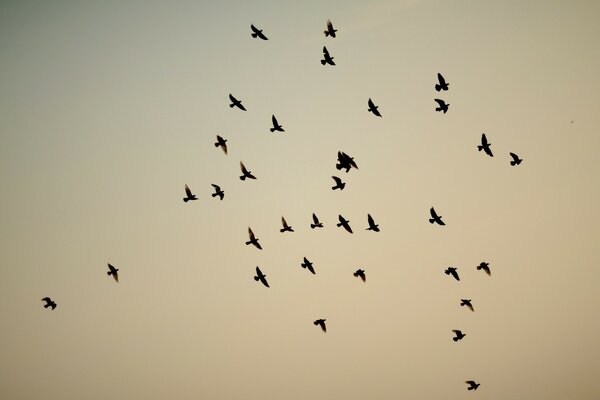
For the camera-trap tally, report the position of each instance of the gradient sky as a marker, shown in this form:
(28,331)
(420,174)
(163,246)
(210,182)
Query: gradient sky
(108,108)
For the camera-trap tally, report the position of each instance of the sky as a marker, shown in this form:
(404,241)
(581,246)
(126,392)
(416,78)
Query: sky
(108,109)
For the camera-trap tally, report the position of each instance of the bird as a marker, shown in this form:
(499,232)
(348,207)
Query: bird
(245,172)
(441,85)
(485,146)
(218,191)
(221,142)
(189,195)
(452,271)
(49,303)
(484,266)
(257,33)
(276,126)
(321,323)
(316,223)
(361,274)
(472,385)
(308,265)
(253,240)
(330,31)
(327,59)
(373,108)
(466,302)
(459,335)
(372,225)
(345,161)
(286,227)
(114,272)
(435,218)
(338,183)
(236,103)
(515,159)
(442,106)
(344,223)
(261,277)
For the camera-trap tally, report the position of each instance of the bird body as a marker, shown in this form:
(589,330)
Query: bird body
(435,218)
(452,271)
(372,225)
(442,105)
(236,103)
(344,223)
(441,85)
(261,277)
(327,59)
(222,143)
(189,195)
(321,323)
(257,33)
(515,159)
(308,265)
(253,240)
(245,172)
(485,146)
(316,223)
(218,191)
(286,227)
(466,302)
(484,266)
(330,31)
(338,183)
(360,273)
(114,272)
(49,303)
(373,108)
(458,335)
(276,126)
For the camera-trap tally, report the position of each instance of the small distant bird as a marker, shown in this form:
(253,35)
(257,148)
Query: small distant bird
(442,106)
(286,227)
(485,146)
(373,108)
(435,218)
(572,121)
(276,126)
(344,223)
(372,225)
(218,191)
(442,85)
(189,195)
(221,142)
(345,161)
(515,159)
(257,33)
(261,277)
(236,103)
(338,183)
(330,31)
(360,273)
(308,265)
(114,272)
(316,223)
(466,302)
(321,323)
(327,59)
(253,240)
(49,303)
(245,172)
(472,385)
(452,271)
(484,266)
(459,335)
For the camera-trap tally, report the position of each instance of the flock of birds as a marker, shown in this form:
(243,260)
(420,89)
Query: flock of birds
(345,162)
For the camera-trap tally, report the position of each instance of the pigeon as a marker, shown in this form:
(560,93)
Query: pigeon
(327,59)
(459,335)
(245,172)
(308,265)
(345,161)
(442,85)
(372,225)
(485,146)
(49,303)
(472,385)
(338,183)
(452,271)
(236,103)
(253,240)
(321,323)
(373,108)
(261,277)
(484,266)
(257,33)
(435,218)
(466,302)
(218,191)
(276,126)
(344,223)
(515,159)
(286,227)
(330,31)
(114,272)
(221,142)
(442,106)
(360,273)
(316,223)
(189,195)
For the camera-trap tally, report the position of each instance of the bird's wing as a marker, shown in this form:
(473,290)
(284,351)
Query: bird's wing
(329,25)
(347,227)
(325,52)
(456,331)
(258,272)
(47,299)
(243,168)
(370,219)
(112,269)
(371,105)
(470,382)
(224,146)
(440,102)
(233,99)
(315,219)
(484,141)
(188,191)
(337,180)
(433,213)
(283,222)
(441,79)
(217,188)
(116,276)
(251,234)
(514,156)
(253,28)
(488,151)
(263,279)
(219,139)
(274,120)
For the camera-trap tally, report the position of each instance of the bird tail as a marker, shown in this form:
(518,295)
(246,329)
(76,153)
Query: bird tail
(256,278)
(470,388)
(447,272)
(326,33)
(247,243)
(46,305)
(214,195)
(272,129)
(479,267)
(513,163)
(340,224)
(217,144)
(455,339)
(313,226)
(231,105)
(438,87)
(431,220)
(108,273)
(322,62)
(243,177)
(254,35)
(186,200)
(479,148)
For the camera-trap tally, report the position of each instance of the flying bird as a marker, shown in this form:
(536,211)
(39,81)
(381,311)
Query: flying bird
(327,59)
(114,272)
(286,227)
(218,191)
(330,31)
(221,142)
(344,223)
(189,195)
(49,303)
(308,265)
(485,146)
(321,323)
(345,161)
(253,240)
(245,172)
(458,335)
(484,266)
(372,225)
(435,218)
(466,302)
(236,103)
(442,106)
(452,271)
(338,183)
(360,273)
(373,108)
(472,385)
(441,85)
(261,277)
(276,126)
(257,33)
(316,223)
(515,159)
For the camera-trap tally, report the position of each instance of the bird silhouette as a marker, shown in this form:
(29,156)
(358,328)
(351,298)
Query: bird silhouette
(515,159)
(286,227)
(236,103)
(321,323)
(316,223)
(344,223)
(466,302)
(257,33)
(442,106)
(261,277)
(49,303)
(484,266)
(458,335)
(345,161)
(338,183)
(441,85)
(360,273)
(330,31)
(221,142)
(308,265)
(276,126)
(245,172)
(327,59)
(452,271)
(253,240)
(373,108)
(372,225)
(485,146)
(218,191)
(472,385)
(435,218)
(114,272)
(189,195)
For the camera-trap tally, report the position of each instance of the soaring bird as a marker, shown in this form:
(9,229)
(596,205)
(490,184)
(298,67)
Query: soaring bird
(338,183)
(327,59)
(245,172)
(372,225)
(261,277)
(286,227)
(253,240)
(113,271)
(344,223)
(189,195)
(360,273)
(442,85)
(515,159)
(257,33)
(316,223)
(276,126)
(308,265)
(221,142)
(373,108)
(330,31)
(49,303)
(485,146)
(472,385)
(435,218)
(236,103)
(345,161)
(459,335)
(466,302)
(484,266)
(218,191)
(321,323)
(452,271)
(442,106)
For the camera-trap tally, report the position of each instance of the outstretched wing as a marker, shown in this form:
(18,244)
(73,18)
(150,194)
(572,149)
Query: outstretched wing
(337,180)
(47,299)
(274,120)
(371,105)
(283,222)
(251,234)
(315,219)
(440,102)
(329,26)
(233,99)
(217,188)
(243,168)
(254,28)
(484,141)
(441,79)
(325,52)
(433,213)
(188,192)
(370,219)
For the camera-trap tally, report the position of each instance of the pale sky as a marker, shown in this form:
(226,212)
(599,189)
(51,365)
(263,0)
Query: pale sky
(108,108)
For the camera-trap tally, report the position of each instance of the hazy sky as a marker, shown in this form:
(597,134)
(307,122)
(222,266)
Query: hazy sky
(108,108)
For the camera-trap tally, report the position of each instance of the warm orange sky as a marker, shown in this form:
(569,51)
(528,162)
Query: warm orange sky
(107,109)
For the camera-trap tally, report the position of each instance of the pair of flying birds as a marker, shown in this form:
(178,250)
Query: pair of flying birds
(258,33)
(483,266)
(190,196)
(441,85)
(238,103)
(485,146)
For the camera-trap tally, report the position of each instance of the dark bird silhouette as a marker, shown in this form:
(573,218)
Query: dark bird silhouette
(441,85)
(276,126)
(484,266)
(253,240)
(245,172)
(472,385)
(373,108)
(261,277)
(485,146)
(372,225)
(466,302)
(189,195)
(308,265)
(330,31)
(286,227)
(221,142)
(442,106)
(435,218)
(452,271)
(345,161)
(360,273)
(321,323)
(114,272)
(344,223)
(257,33)
(327,59)
(49,303)
(338,183)
(218,191)
(515,159)
(459,335)
(236,103)
(316,223)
